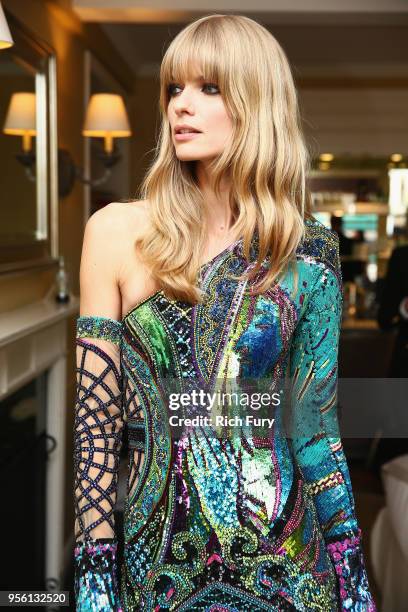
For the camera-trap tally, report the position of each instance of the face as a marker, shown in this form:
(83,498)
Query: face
(198,104)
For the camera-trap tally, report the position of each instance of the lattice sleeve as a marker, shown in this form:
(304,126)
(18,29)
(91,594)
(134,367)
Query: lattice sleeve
(316,438)
(98,425)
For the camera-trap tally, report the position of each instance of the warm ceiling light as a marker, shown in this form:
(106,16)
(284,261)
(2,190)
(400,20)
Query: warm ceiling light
(106,117)
(20,118)
(396,157)
(326,157)
(5,36)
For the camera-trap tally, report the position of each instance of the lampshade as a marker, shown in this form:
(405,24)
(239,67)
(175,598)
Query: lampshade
(106,116)
(20,118)
(5,36)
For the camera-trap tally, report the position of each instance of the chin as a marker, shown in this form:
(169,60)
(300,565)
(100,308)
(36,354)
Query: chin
(184,156)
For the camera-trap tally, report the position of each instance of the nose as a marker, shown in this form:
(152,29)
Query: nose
(184,102)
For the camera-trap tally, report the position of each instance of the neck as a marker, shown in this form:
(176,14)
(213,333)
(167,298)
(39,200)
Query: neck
(217,211)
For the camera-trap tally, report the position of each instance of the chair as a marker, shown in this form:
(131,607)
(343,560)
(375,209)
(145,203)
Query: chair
(389,538)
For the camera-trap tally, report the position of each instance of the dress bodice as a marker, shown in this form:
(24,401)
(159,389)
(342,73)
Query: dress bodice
(240,521)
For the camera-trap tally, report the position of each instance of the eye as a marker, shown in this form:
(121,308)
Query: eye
(213,86)
(173,86)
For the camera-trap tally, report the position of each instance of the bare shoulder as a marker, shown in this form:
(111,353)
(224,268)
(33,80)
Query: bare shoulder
(122,216)
(118,225)
(109,237)
(135,279)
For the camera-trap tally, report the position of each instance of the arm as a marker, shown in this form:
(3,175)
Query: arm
(316,443)
(98,424)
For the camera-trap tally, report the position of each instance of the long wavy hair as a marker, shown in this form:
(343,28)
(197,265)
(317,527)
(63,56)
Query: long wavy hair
(266,158)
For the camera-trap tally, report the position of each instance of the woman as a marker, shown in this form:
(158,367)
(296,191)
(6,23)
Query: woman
(230,280)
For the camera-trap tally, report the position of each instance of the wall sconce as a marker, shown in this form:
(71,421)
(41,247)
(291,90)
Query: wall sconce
(106,118)
(6,40)
(21,121)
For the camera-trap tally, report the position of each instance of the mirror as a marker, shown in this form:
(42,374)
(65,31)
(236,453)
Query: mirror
(28,149)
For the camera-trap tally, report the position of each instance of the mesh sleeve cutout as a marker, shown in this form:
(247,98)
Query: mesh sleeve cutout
(98,428)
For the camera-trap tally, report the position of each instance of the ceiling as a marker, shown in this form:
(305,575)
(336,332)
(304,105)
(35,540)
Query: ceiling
(349,39)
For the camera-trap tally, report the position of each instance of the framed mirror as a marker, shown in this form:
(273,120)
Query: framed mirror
(28,149)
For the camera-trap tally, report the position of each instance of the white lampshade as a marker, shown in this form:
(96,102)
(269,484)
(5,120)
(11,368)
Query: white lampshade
(21,117)
(106,114)
(5,36)
(106,117)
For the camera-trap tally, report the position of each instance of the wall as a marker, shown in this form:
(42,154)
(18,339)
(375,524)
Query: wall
(364,120)
(55,23)
(144,112)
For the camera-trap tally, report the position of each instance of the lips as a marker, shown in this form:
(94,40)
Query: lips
(186,129)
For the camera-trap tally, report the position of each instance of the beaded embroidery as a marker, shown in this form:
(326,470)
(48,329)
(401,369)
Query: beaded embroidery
(211,524)
(347,557)
(95,581)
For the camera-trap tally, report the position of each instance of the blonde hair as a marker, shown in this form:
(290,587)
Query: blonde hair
(266,158)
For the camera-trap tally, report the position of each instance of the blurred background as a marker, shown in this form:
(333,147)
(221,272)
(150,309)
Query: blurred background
(79,84)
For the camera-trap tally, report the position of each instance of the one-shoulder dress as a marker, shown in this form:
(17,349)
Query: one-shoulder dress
(220,523)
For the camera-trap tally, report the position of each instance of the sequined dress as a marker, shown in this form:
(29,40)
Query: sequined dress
(220,524)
